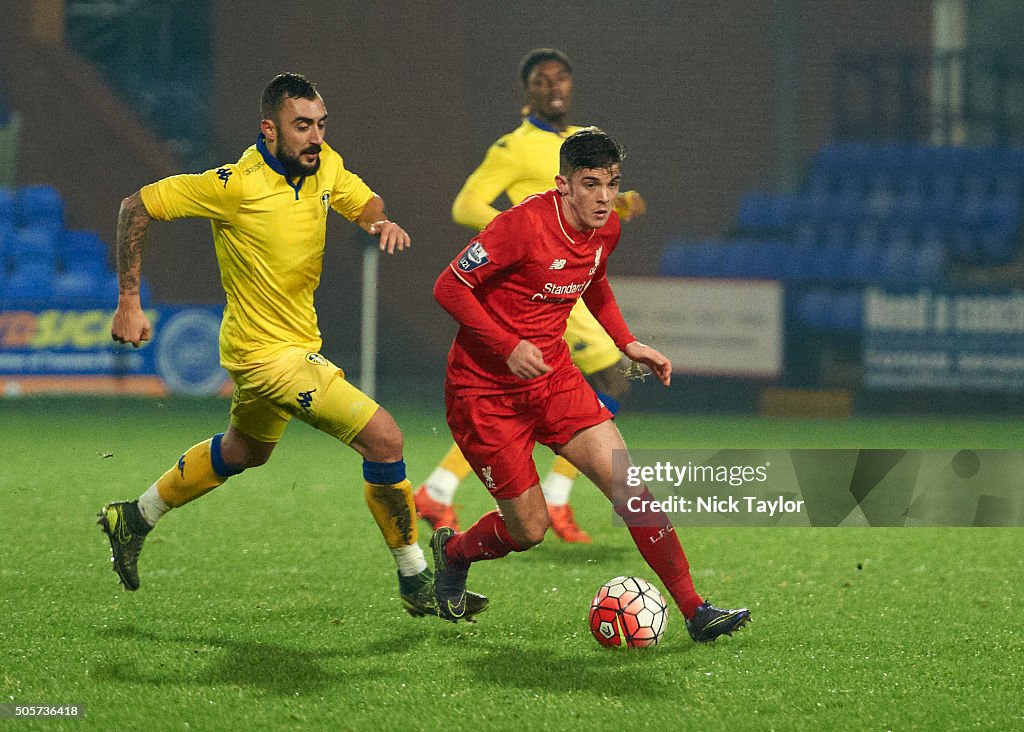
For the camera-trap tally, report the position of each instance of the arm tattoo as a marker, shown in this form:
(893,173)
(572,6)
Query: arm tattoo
(132,225)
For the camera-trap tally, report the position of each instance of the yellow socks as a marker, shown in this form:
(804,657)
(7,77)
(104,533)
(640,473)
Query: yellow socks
(388,495)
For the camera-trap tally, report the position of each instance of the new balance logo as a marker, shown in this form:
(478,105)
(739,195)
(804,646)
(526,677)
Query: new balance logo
(558,264)
(305,399)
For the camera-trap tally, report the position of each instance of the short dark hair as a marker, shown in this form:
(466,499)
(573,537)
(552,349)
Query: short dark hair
(539,56)
(590,147)
(287,85)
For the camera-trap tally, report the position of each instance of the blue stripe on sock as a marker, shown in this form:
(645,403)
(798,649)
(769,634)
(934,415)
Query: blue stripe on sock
(220,467)
(384,473)
(610,403)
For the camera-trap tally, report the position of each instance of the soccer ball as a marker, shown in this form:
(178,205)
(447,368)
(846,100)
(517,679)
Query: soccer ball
(628,611)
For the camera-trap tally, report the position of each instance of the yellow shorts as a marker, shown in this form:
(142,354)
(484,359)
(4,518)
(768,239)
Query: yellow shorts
(592,349)
(296,382)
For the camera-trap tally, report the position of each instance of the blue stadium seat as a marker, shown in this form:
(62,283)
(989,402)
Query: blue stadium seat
(40,206)
(928,264)
(755,214)
(83,286)
(864,263)
(812,308)
(835,234)
(773,254)
(753,259)
(30,286)
(867,233)
(880,203)
(31,245)
(763,213)
(849,203)
(683,259)
(831,311)
(830,264)
(946,161)
(81,249)
(800,264)
(7,200)
(6,235)
(675,259)
(844,311)
(897,265)
(805,234)
(709,259)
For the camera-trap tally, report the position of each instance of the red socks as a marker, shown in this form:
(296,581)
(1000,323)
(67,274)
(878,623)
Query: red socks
(656,539)
(488,538)
(651,530)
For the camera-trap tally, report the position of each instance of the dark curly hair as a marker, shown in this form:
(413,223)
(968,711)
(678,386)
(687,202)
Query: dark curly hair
(590,147)
(285,86)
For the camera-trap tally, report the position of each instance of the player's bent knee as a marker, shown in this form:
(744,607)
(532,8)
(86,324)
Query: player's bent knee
(238,452)
(381,439)
(256,458)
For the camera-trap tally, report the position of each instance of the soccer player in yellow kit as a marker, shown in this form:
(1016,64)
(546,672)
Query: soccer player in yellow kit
(269,217)
(520,164)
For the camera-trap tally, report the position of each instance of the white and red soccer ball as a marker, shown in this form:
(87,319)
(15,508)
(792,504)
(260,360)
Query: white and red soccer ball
(628,612)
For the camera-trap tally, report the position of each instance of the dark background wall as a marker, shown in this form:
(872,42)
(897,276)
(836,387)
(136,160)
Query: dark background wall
(416,93)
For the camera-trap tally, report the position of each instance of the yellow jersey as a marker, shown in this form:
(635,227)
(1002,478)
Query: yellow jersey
(269,237)
(520,164)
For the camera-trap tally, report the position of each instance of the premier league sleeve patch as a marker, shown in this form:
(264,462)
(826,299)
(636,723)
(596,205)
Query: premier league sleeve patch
(474,256)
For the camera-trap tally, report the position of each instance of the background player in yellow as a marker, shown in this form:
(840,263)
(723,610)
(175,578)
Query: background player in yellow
(268,213)
(520,164)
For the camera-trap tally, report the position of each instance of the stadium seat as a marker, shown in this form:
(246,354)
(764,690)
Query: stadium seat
(864,263)
(844,311)
(77,249)
(835,234)
(800,263)
(31,245)
(40,206)
(708,259)
(773,254)
(812,308)
(83,286)
(805,234)
(6,235)
(830,264)
(928,264)
(763,213)
(680,259)
(880,203)
(897,265)
(30,286)
(7,208)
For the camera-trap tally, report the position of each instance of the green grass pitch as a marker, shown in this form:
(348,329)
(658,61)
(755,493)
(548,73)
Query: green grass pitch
(272,604)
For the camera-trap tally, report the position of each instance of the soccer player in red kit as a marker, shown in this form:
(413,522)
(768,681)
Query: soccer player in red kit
(511,382)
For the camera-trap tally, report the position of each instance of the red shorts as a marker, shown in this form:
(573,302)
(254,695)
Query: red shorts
(497,432)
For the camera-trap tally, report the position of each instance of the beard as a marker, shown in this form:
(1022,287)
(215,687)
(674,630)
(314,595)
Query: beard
(293,164)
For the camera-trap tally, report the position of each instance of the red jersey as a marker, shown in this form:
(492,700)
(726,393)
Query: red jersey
(525,271)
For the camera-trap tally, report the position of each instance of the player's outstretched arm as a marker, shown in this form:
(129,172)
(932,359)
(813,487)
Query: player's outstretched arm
(472,210)
(659,365)
(375,222)
(130,324)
